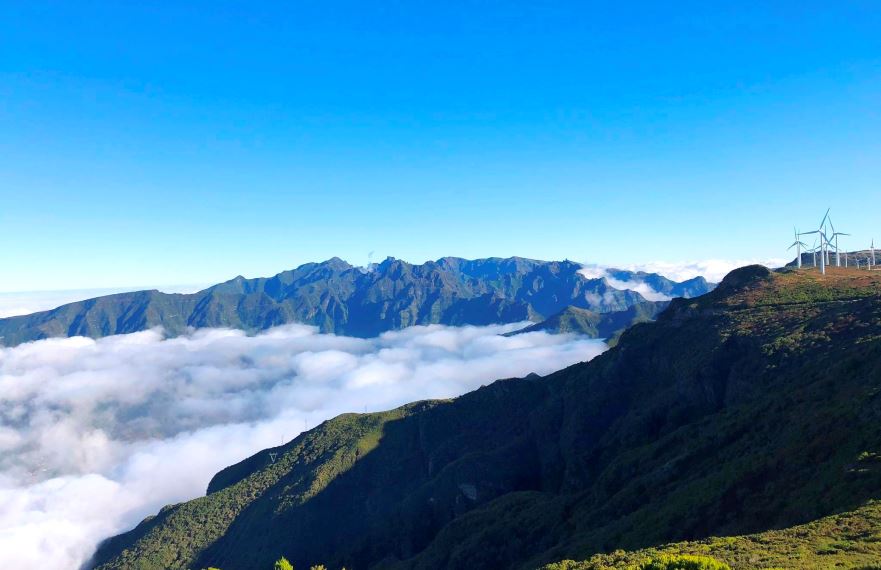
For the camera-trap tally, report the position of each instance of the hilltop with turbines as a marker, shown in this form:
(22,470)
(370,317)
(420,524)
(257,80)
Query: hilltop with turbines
(825,251)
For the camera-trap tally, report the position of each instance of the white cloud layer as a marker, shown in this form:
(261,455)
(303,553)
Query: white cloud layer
(712,270)
(95,435)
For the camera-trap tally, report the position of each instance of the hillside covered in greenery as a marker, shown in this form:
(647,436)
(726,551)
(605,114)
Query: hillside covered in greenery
(339,298)
(753,408)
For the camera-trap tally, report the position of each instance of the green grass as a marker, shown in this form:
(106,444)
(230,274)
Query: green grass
(848,540)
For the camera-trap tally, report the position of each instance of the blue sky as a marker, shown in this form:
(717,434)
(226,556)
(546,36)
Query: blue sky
(170,143)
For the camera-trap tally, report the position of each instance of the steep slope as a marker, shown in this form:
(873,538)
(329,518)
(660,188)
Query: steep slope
(751,408)
(597,325)
(340,298)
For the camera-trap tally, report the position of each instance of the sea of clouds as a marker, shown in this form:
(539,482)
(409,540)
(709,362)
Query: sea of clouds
(97,434)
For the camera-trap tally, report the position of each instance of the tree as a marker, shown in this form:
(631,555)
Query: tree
(283,564)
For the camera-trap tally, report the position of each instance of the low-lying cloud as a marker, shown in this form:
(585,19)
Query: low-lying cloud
(713,270)
(648,292)
(95,435)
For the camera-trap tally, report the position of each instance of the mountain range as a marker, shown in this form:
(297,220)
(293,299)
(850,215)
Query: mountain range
(340,298)
(752,408)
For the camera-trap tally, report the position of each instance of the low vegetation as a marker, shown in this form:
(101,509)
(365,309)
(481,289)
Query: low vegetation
(848,540)
(285,564)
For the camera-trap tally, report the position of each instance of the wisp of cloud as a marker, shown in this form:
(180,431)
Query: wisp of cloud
(648,293)
(97,434)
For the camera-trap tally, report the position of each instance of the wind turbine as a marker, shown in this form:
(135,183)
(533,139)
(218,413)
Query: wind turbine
(797,244)
(813,251)
(835,237)
(821,234)
(872,249)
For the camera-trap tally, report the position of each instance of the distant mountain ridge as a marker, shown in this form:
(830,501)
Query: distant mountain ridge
(860,257)
(661,284)
(338,297)
(597,325)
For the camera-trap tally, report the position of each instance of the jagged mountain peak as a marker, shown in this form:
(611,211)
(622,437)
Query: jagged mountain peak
(340,298)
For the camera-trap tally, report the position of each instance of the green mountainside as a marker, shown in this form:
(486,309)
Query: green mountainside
(340,298)
(752,408)
(597,325)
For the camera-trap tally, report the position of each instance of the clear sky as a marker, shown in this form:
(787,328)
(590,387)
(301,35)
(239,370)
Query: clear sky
(188,142)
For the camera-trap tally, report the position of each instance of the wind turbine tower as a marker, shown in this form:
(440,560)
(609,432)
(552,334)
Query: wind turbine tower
(821,234)
(797,244)
(813,251)
(834,236)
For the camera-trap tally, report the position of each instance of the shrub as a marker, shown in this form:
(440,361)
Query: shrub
(283,564)
(683,562)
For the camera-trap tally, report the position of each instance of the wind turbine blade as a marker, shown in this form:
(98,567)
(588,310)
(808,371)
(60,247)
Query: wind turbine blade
(826,215)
